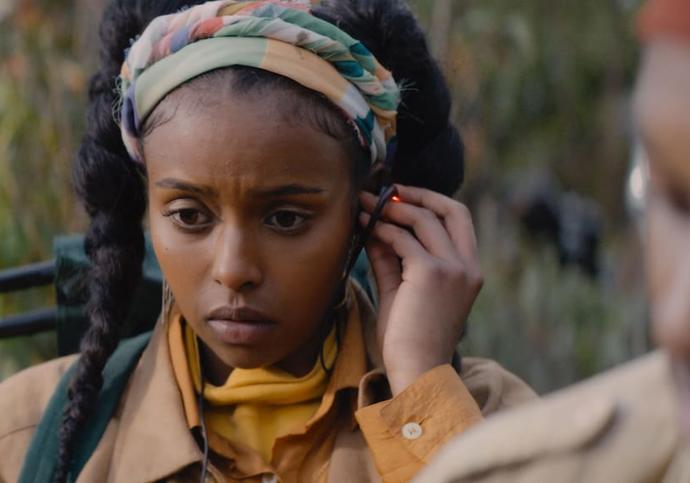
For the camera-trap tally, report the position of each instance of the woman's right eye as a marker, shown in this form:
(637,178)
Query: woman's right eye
(189,218)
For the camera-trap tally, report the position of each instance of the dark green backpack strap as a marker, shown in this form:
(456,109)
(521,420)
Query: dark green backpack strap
(42,457)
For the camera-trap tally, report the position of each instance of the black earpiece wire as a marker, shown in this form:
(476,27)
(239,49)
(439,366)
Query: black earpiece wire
(385,195)
(386,192)
(204,433)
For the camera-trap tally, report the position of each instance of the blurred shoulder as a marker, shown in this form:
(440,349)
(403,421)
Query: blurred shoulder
(596,431)
(492,386)
(24,396)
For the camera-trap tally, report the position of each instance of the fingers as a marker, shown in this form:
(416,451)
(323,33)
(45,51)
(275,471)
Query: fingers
(457,220)
(403,243)
(386,266)
(427,227)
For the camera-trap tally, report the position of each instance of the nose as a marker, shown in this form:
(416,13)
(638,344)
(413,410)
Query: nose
(235,261)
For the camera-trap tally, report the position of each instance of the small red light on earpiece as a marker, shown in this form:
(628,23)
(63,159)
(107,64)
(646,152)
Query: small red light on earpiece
(395,198)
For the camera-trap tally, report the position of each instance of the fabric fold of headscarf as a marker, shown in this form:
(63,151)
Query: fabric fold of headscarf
(278,36)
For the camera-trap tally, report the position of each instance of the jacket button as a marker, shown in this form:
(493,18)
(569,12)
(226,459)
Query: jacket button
(412,431)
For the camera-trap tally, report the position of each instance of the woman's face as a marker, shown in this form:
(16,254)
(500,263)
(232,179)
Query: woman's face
(251,218)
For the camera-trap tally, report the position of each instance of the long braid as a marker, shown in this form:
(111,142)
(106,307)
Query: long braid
(113,194)
(112,189)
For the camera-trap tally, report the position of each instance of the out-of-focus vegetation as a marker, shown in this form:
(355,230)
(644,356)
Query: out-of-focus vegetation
(42,92)
(541,91)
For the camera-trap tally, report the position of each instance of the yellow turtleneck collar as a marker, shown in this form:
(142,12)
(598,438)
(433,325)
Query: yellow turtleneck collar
(256,406)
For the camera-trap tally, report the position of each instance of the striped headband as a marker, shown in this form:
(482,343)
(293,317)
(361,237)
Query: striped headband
(280,36)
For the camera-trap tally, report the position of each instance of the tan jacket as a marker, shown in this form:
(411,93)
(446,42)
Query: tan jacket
(148,438)
(619,427)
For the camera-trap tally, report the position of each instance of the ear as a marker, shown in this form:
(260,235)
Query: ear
(378,174)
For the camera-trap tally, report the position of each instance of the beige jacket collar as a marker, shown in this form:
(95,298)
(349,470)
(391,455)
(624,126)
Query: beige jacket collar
(153,416)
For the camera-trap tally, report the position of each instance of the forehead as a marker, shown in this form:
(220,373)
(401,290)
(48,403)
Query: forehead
(246,141)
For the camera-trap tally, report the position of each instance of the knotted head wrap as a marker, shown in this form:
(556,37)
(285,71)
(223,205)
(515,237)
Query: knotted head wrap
(280,36)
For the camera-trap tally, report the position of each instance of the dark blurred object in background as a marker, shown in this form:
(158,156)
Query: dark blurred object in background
(571,222)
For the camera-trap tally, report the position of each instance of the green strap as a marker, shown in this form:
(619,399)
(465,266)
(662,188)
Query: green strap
(42,457)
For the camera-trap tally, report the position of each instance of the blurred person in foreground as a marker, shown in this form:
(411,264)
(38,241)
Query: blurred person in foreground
(631,423)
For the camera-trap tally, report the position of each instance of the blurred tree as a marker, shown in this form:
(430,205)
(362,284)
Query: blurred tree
(439,28)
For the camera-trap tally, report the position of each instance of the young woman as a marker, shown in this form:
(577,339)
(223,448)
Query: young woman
(249,131)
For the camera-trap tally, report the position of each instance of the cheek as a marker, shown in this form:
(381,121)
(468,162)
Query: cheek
(668,266)
(313,265)
(182,262)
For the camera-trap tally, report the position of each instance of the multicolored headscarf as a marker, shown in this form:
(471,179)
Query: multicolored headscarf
(280,36)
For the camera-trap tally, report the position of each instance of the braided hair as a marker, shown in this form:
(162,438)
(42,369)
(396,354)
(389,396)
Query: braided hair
(113,189)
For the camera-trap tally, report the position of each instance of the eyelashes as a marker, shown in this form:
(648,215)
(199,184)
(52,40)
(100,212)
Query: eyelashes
(189,219)
(195,219)
(287,221)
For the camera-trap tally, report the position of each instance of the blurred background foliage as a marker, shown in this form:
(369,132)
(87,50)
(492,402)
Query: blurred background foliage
(541,94)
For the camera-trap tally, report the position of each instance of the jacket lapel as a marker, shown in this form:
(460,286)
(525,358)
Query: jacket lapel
(152,440)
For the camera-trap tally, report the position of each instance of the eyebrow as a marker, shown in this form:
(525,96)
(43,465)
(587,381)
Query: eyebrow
(287,190)
(172,183)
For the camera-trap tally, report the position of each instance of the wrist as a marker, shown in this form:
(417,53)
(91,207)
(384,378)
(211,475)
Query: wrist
(399,378)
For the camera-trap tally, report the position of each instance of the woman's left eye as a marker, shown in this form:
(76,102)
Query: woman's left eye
(285,220)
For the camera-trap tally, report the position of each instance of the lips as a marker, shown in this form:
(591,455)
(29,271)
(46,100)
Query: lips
(239,325)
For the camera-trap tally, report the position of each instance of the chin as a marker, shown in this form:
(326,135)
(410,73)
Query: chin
(245,358)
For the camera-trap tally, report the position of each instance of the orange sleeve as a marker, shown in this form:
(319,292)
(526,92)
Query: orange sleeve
(403,433)
(666,17)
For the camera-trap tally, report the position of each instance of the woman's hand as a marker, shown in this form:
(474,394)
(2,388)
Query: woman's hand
(424,255)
